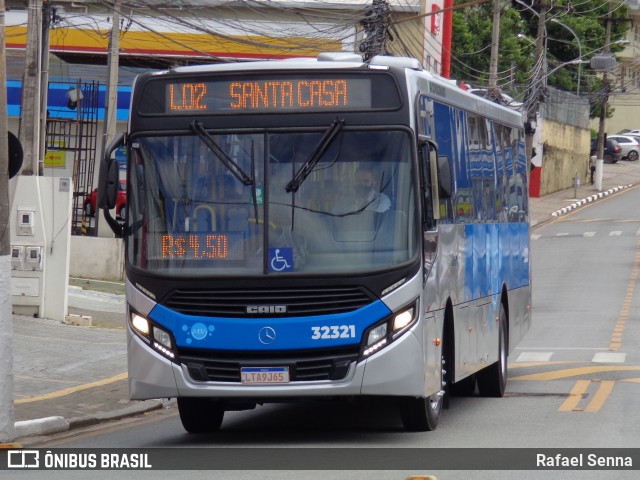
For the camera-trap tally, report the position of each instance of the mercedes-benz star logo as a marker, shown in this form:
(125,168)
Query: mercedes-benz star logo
(267,335)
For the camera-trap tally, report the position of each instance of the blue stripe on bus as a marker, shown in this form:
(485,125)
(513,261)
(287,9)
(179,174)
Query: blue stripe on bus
(291,333)
(493,253)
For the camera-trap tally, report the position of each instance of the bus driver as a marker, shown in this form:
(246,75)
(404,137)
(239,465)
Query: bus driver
(367,186)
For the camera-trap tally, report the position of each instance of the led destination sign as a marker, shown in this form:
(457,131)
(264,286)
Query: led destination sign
(266,95)
(309,92)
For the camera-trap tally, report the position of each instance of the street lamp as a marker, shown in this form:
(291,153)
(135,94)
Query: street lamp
(579,50)
(522,36)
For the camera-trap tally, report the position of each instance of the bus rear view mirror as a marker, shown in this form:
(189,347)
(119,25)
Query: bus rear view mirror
(109,177)
(108,184)
(444,177)
(111,190)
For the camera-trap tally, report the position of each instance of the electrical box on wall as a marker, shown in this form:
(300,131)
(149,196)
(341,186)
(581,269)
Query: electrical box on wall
(40,274)
(33,258)
(17,257)
(26,222)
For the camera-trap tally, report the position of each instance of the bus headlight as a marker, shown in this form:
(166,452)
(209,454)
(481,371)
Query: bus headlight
(161,336)
(376,339)
(377,334)
(140,325)
(162,342)
(158,338)
(380,335)
(404,319)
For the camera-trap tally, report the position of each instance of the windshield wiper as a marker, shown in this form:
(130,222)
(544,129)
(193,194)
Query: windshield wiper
(228,162)
(308,166)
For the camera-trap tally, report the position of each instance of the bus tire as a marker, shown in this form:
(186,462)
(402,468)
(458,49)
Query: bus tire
(492,380)
(200,415)
(421,414)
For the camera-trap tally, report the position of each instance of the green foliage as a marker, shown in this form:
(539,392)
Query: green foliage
(472,33)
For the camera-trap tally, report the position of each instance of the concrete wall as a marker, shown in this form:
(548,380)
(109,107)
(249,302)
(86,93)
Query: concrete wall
(566,139)
(97,258)
(566,151)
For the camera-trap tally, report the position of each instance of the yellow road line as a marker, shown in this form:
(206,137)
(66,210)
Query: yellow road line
(604,390)
(67,391)
(616,336)
(575,396)
(575,372)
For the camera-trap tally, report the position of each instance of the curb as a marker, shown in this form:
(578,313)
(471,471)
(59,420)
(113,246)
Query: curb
(589,199)
(51,425)
(40,426)
(143,407)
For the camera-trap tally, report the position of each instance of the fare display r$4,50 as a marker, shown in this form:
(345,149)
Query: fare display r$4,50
(265,95)
(203,246)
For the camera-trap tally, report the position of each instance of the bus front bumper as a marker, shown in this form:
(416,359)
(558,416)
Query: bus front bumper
(387,372)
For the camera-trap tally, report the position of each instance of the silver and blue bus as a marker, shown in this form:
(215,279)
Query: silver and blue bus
(319,228)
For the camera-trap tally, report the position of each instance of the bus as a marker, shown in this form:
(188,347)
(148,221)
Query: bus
(322,228)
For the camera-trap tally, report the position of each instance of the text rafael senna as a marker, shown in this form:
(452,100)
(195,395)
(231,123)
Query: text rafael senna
(582,460)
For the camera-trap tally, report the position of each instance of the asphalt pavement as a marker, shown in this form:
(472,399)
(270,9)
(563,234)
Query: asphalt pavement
(68,376)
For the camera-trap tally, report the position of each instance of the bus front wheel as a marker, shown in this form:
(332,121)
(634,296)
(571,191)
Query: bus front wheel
(492,380)
(200,415)
(421,414)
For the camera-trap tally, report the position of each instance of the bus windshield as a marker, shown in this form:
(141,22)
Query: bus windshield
(191,214)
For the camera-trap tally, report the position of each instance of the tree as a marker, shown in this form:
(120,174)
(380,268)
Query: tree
(518,26)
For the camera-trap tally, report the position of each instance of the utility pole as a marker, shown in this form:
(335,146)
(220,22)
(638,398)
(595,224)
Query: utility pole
(495,40)
(6,321)
(44,83)
(376,27)
(603,106)
(31,89)
(535,90)
(111,98)
(111,104)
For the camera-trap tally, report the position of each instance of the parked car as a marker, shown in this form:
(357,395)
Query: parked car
(90,201)
(627,131)
(630,146)
(612,150)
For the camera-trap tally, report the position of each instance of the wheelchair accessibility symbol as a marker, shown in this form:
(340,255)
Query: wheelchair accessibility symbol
(281,259)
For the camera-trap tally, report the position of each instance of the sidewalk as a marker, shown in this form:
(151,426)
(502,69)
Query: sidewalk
(67,376)
(622,174)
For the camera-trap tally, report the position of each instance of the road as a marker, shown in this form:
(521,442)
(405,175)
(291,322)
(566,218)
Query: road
(573,381)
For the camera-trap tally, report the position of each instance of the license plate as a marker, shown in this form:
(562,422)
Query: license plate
(262,375)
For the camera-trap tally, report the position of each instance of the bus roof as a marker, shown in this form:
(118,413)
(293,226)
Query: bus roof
(435,86)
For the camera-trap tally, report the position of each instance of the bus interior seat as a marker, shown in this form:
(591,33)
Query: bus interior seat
(237,218)
(203,218)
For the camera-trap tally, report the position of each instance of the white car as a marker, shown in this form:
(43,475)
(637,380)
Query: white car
(630,145)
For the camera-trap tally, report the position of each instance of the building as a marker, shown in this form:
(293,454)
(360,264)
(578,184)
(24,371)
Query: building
(624,97)
(160,34)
